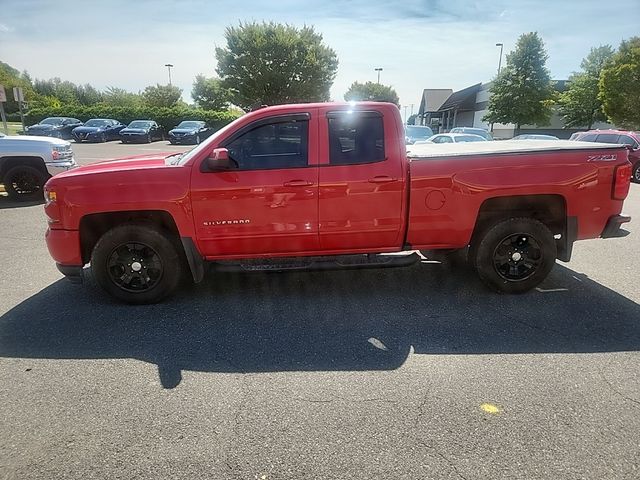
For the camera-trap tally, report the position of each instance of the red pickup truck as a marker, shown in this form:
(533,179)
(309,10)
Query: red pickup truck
(331,185)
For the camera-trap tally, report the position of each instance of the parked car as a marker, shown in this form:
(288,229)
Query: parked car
(415,133)
(141,131)
(98,130)
(189,131)
(620,137)
(474,131)
(453,138)
(534,136)
(27,163)
(328,185)
(59,127)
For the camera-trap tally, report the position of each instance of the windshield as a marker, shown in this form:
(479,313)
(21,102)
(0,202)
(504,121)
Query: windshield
(418,132)
(96,123)
(139,124)
(189,125)
(53,121)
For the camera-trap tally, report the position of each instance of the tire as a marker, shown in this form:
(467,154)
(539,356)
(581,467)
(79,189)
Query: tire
(137,264)
(24,183)
(149,138)
(103,138)
(635,176)
(514,255)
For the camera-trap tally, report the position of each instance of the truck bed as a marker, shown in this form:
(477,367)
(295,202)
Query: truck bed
(450,184)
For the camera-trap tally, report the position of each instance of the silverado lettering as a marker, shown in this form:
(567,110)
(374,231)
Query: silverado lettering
(347,192)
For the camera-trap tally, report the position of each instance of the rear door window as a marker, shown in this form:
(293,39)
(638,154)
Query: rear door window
(356,137)
(589,137)
(608,138)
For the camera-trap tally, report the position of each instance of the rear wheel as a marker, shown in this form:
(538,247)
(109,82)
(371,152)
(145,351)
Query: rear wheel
(515,255)
(137,264)
(24,182)
(636,173)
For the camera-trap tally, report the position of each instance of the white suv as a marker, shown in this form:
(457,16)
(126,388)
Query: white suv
(26,163)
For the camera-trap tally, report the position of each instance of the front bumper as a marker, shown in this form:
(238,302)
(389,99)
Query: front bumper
(182,139)
(60,166)
(64,246)
(613,228)
(134,137)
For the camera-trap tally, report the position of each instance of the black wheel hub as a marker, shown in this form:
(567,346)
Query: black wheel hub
(517,257)
(25,182)
(135,267)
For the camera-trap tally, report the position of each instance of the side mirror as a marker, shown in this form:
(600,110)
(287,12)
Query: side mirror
(219,161)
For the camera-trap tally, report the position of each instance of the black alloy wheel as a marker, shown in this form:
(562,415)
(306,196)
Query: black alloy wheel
(514,255)
(135,267)
(24,182)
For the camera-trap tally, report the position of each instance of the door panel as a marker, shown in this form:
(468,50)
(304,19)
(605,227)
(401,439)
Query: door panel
(360,203)
(252,211)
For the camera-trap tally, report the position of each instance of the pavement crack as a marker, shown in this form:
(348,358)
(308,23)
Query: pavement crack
(615,390)
(445,458)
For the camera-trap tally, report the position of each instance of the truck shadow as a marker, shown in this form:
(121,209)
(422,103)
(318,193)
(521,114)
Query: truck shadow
(6,202)
(322,321)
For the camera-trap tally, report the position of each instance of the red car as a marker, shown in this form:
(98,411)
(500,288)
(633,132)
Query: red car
(330,185)
(620,137)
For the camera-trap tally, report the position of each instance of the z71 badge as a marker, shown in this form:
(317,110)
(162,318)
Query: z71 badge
(611,157)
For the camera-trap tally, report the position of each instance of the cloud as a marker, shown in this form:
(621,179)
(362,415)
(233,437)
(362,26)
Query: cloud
(5,28)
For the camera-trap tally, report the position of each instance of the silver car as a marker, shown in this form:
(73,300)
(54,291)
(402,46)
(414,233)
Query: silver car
(26,163)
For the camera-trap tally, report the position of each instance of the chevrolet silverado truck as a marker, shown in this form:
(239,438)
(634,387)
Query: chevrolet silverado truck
(328,185)
(26,163)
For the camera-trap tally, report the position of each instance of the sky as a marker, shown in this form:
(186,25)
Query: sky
(418,43)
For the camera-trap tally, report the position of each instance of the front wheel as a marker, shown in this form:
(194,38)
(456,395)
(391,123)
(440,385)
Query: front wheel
(515,255)
(137,264)
(24,182)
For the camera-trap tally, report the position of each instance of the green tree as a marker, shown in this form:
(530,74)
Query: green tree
(161,95)
(9,78)
(119,97)
(371,91)
(522,93)
(579,104)
(269,63)
(620,86)
(210,94)
(88,95)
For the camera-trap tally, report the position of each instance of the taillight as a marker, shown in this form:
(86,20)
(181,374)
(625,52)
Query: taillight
(621,181)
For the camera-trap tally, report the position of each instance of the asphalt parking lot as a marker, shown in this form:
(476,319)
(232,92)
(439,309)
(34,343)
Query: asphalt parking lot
(399,373)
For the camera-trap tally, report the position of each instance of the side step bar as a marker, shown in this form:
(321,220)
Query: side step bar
(381,260)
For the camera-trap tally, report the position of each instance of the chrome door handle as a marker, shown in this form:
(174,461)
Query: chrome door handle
(298,183)
(381,179)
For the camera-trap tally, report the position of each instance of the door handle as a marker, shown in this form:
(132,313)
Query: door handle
(298,183)
(382,179)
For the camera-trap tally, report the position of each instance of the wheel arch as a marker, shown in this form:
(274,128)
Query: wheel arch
(8,162)
(550,209)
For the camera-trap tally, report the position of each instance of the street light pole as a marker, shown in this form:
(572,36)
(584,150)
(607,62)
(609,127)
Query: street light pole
(169,66)
(378,70)
(500,61)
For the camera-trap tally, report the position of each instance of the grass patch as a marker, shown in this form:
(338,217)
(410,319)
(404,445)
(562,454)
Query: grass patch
(14,127)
